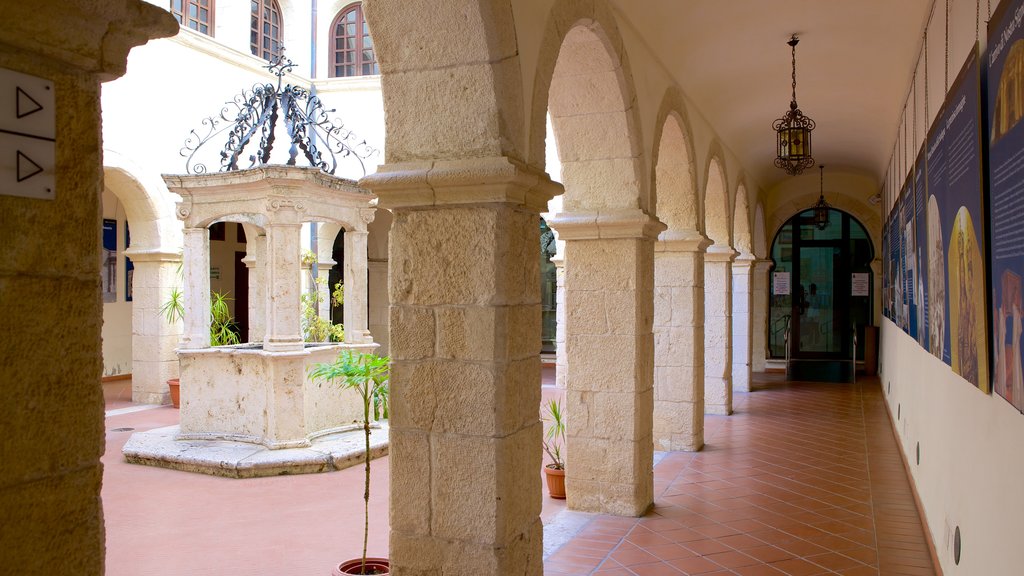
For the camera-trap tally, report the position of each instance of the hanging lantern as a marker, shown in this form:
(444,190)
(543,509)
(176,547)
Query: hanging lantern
(793,132)
(822,208)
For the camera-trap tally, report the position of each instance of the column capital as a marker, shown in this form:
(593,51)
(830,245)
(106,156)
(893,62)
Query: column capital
(719,253)
(762,264)
(744,261)
(464,181)
(152,255)
(685,241)
(629,223)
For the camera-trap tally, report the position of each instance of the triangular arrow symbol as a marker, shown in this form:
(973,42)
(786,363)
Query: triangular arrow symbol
(26,104)
(26,167)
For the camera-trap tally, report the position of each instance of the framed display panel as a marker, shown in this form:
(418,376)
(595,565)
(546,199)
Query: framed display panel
(1005,107)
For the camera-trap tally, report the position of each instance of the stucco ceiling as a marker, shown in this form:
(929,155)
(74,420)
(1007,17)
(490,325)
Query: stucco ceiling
(855,63)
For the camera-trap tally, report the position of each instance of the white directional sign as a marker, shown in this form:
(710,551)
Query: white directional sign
(28,136)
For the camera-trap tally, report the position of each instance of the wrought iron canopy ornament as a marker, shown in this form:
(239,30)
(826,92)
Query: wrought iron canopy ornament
(793,132)
(821,208)
(251,120)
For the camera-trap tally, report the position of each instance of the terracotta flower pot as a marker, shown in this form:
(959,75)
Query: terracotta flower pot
(375,566)
(556,482)
(172,385)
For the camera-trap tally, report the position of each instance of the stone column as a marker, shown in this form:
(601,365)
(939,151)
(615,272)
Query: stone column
(283,328)
(561,366)
(718,330)
(759,296)
(256,261)
(196,288)
(742,321)
(154,340)
(377,296)
(356,320)
(465,450)
(609,291)
(51,418)
(679,342)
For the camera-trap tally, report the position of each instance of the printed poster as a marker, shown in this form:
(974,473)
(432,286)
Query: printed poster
(1005,71)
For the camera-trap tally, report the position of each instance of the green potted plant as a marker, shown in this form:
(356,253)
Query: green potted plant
(554,441)
(367,374)
(223,329)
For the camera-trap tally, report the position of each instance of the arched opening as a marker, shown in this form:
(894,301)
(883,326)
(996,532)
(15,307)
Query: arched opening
(717,293)
(678,295)
(590,101)
(821,292)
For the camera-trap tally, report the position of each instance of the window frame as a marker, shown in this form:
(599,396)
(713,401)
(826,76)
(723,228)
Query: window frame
(185,21)
(258,16)
(359,62)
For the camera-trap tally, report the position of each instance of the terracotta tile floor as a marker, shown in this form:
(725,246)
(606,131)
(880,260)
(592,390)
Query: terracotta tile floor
(803,479)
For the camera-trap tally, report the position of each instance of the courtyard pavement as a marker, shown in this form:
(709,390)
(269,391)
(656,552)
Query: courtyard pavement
(803,479)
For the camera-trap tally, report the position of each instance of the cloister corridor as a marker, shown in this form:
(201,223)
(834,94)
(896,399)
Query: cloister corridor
(804,478)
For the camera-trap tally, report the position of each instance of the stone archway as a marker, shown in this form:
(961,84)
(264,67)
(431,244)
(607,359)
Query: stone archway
(155,252)
(717,291)
(605,218)
(464,314)
(678,288)
(759,294)
(742,293)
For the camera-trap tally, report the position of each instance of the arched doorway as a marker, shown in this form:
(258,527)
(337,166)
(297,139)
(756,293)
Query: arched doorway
(821,293)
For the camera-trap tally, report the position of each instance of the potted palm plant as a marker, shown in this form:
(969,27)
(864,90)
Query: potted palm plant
(223,329)
(554,442)
(367,374)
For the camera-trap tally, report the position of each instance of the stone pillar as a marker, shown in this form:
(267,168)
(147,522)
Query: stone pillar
(465,450)
(377,296)
(323,270)
(561,366)
(679,342)
(759,297)
(742,321)
(609,292)
(196,288)
(356,320)
(283,327)
(256,261)
(51,418)
(718,330)
(154,340)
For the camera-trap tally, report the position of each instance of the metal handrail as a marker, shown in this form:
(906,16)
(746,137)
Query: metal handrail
(853,361)
(789,325)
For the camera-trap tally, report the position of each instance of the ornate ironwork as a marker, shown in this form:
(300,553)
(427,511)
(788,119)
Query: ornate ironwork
(793,132)
(253,116)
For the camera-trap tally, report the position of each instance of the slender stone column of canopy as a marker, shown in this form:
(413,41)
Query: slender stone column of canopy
(465,331)
(718,330)
(284,242)
(610,354)
(759,338)
(356,317)
(679,342)
(742,321)
(196,289)
(256,261)
(154,339)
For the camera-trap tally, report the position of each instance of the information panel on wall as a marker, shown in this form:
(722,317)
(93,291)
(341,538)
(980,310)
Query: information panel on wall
(1005,79)
(935,177)
(962,221)
(920,242)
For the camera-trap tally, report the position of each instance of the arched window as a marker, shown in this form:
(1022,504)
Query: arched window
(265,31)
(353,47)
(194,14)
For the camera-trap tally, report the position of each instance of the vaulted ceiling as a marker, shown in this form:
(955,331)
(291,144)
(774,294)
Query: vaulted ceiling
(855,63)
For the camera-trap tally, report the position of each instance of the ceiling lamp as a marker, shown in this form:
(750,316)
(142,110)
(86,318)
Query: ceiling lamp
(822,208)
(793,132)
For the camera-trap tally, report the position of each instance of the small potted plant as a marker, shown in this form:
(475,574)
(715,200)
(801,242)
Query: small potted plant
(367,374)
(554,441)
(223,330)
